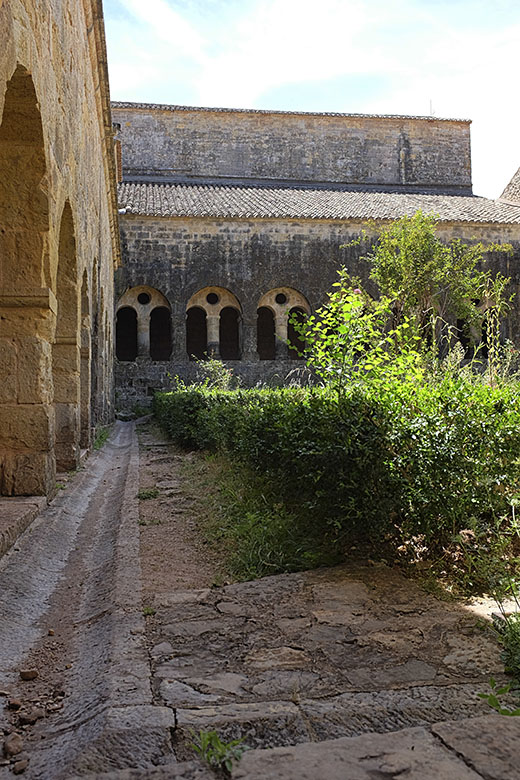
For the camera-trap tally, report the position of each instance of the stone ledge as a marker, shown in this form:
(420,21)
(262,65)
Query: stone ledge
(414,753)
(16,514)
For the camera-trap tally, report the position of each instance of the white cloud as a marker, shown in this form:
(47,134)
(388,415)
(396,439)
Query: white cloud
(460,55)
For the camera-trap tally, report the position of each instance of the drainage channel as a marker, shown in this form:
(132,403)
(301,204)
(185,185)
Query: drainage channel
(70,600)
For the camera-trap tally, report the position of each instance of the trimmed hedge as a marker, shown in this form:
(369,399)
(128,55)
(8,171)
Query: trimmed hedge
(392,461)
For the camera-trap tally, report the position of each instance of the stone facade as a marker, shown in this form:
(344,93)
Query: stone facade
(183,144)
(58,239)
(250,206)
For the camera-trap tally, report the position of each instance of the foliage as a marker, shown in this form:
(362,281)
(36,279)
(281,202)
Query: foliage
(101,437)
(216,753)
(148,611)
(426,471)
(147,493)
(401,447)
(214,373)
(493,698)
(348,340)
(428,281)
(507,628)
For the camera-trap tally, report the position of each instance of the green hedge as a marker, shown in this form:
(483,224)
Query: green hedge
(393,461)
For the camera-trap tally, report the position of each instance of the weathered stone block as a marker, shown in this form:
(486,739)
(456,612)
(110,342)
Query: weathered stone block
(8,363)
(34,371)
(27,427)
(27,474)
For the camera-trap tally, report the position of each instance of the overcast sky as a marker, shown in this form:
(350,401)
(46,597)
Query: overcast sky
(455,58)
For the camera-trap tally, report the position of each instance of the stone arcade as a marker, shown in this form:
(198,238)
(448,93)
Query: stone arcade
(232,219)
(59,241)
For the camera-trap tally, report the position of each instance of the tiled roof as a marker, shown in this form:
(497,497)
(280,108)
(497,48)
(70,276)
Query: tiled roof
(242,202)
(512,191)
(165,107)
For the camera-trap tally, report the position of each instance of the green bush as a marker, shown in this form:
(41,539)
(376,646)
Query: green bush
(438,463)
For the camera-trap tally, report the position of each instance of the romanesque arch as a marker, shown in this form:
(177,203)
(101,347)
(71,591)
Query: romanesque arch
(28,307)
(274,330)
(65,350)
(143,325)
(213,324)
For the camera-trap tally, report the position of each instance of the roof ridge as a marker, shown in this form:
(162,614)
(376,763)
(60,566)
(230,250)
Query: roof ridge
(222,109)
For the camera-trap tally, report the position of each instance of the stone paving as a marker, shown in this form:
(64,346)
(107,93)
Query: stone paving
(316,656)
(349,673)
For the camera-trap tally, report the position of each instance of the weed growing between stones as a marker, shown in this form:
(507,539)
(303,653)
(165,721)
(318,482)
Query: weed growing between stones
(217,754)
(101,437)
(494,697)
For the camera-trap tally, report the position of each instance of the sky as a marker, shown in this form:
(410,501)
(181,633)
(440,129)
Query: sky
(449,58)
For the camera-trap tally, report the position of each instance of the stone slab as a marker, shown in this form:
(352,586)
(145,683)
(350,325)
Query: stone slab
(489,744)
(411,753)
(186,770)
(16,514)
(265,724)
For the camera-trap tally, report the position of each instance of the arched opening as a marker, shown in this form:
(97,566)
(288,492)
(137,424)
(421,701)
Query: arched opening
(151,327)
(213,301)
(265,334)
(126,334)
(196,333)
(283,302)
(27,306)
(229,338)
(65,350)
(295,341)
(160,333)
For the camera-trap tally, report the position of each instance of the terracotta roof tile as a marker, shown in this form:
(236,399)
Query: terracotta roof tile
(512,191)
(247,202)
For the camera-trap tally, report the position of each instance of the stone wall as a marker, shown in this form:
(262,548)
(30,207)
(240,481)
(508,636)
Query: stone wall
(58,238)
(185,144)
(179,257)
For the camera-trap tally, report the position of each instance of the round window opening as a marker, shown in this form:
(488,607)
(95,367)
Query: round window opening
(212,298)
(281,298)
(143,298)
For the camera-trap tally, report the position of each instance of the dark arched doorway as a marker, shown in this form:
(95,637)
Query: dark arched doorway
(126,334)
(229,338)
(160,333)
(265,334)
(196,333)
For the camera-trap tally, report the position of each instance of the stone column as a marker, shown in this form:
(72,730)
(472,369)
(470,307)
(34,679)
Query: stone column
(143,334)
(249,352)
(280,329)
(28,322)
(65,370)
(213,326)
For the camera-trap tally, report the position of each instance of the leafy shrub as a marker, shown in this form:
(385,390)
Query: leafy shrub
(438,464)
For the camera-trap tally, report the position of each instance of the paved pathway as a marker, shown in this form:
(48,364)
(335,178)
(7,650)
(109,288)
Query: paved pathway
(350,673)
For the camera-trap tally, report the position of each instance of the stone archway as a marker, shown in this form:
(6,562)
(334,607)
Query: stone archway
(143,325)
(28,307)
(65,350)
(281,302)
(216,313)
